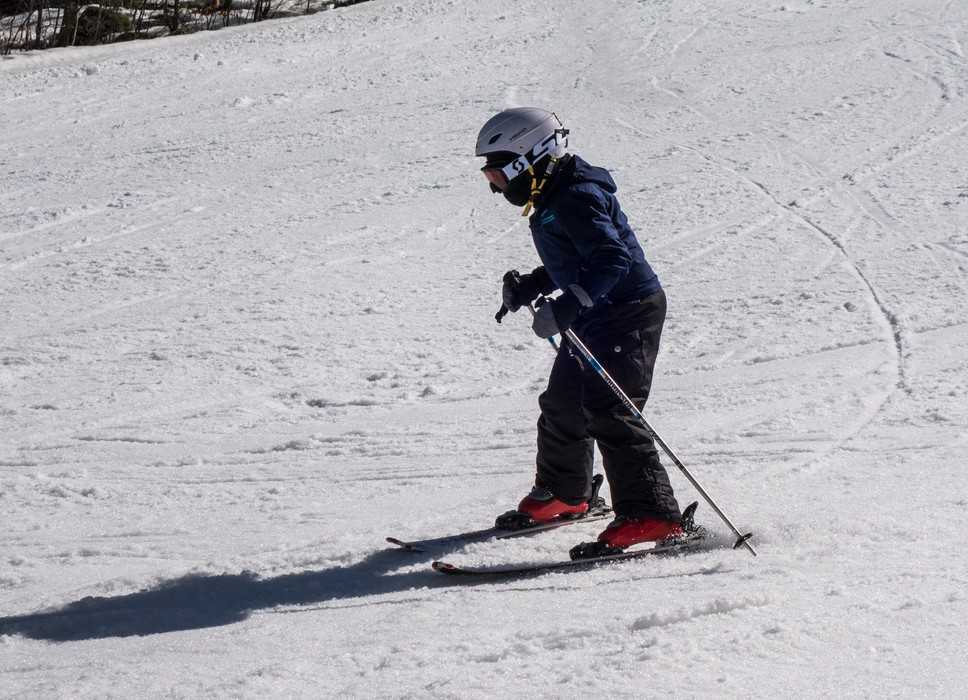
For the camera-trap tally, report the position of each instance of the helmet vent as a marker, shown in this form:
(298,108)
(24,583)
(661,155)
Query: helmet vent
(494,138)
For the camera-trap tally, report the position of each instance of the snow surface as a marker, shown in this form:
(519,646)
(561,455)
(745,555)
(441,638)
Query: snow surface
(248,281)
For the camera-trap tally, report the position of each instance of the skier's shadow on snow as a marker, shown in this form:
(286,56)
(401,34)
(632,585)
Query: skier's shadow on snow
(200,601)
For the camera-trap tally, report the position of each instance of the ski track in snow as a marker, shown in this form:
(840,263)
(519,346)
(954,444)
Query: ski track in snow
(249,279)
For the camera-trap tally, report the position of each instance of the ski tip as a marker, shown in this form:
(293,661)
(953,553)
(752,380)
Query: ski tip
(409,546)
(444,568)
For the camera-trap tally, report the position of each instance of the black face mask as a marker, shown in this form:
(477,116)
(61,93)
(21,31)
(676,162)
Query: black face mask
(518,191)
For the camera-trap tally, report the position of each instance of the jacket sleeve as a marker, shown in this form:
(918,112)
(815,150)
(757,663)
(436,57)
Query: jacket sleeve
(541,276)
(585,218)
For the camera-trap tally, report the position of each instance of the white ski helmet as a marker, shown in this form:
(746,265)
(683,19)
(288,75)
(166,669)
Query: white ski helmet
(517,138)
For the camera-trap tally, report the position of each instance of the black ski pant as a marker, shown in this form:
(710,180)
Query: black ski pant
(578,410)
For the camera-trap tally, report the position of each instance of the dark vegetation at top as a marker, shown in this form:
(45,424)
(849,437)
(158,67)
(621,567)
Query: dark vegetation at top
(27,25)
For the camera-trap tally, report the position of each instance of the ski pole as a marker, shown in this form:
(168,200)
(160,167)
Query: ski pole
(576,341)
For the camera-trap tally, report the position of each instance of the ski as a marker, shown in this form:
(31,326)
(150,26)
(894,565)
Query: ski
(513,524)
(527,569)
(494,533)
(591,553)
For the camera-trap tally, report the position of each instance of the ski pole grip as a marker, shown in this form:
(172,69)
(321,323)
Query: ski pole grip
(512,277)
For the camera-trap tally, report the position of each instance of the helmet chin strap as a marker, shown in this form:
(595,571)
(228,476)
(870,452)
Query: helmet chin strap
(536,186)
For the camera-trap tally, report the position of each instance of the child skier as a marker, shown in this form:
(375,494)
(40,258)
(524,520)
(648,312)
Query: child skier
(613,301)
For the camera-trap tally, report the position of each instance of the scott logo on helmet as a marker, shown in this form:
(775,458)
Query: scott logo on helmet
(547,145)
(540,150)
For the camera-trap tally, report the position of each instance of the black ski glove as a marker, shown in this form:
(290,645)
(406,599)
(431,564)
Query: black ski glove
(557,315)
(519,289)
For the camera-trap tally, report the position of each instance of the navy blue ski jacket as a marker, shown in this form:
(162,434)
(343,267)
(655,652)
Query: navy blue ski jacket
(583,237)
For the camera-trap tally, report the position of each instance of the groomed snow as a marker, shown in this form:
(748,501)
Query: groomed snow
(248,280)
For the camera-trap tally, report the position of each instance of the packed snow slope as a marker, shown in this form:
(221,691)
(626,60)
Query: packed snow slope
(248,281)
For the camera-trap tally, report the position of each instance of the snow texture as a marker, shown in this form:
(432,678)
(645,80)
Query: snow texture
(248,281)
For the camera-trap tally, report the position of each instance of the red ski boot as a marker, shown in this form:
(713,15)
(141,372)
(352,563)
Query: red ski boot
(537,507)
(625,531)
(541,505)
